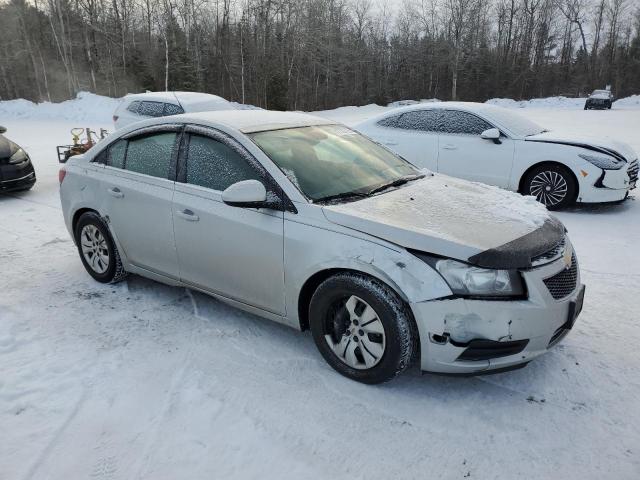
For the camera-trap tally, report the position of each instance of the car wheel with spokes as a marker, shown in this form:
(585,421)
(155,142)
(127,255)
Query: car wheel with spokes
(553,185)
(97,250)
(362,328)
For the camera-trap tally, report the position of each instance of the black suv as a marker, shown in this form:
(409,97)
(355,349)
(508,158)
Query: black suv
(599,99)
(16,169)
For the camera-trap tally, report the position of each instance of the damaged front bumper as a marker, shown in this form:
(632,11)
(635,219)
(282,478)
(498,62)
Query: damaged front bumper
(465,336)
(609,185)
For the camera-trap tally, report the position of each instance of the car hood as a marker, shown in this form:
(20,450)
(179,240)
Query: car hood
(450,217)
(602,144)
(7,148)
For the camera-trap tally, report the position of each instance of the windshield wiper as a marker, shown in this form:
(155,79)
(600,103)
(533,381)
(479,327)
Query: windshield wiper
(341,196)
(395,183)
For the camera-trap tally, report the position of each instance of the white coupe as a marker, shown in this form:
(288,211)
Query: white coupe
(496,146)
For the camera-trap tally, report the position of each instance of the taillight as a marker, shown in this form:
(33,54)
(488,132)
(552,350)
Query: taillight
(115,118)
(61,174)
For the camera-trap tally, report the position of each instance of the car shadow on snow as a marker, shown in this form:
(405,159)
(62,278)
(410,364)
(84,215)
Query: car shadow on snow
(273,346)
(602,208)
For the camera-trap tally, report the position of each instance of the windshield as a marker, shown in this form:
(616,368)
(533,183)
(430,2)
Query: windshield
(514,122)
(600,92)
(332,161)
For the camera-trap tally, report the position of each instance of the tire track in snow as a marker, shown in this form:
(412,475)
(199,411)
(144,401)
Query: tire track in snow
(56,436)
(177,380)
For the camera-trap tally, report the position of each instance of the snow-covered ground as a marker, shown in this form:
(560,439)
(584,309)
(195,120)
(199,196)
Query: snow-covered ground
(141,380)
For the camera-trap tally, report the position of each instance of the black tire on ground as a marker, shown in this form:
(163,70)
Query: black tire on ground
(114,272)
(400,331)
(586,108)
(553,171)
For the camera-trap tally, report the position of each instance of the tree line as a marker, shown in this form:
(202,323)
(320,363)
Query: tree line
(317,54)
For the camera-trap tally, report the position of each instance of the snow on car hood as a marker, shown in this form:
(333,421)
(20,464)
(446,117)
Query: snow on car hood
(454,218)
(607,144)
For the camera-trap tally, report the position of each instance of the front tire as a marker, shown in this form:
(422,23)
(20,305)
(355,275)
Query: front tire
(362,328)
(553,185)
(97,250)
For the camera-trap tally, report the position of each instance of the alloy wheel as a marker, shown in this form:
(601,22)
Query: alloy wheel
(549,187)
(94,248)
(355,333)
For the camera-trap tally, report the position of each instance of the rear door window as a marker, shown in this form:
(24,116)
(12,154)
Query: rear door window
(151,109)
(151,154)
(214,165)
(421,120)
(171,109)
(463,123)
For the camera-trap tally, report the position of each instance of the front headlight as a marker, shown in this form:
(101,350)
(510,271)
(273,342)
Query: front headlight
(19,156)
(473,281)
(600,161)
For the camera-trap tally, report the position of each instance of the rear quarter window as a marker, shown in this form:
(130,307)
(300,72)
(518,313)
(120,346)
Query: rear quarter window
(133,107)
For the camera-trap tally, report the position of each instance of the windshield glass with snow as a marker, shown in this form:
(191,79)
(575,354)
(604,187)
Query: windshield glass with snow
(330,162)
(515,123)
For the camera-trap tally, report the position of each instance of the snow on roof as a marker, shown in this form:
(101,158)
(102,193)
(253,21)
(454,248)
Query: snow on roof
(185,98)
(248,121)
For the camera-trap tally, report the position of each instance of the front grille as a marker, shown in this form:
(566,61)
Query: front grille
(549,255)
(563,283)
(633,171)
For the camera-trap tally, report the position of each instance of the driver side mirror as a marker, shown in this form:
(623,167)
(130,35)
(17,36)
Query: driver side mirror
(247,193)
(491,134)
(2,129)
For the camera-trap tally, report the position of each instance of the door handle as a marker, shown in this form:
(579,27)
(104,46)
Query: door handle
(115,192)
(448,146)
(391,142)
(188,215)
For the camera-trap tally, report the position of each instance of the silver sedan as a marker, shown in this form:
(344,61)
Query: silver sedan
(308,223)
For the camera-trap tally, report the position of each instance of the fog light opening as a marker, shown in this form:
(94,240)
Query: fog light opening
(439,339)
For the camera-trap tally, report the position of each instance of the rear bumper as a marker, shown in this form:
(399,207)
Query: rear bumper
(462,336)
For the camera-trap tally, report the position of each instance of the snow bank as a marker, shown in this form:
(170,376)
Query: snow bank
(549,102)
(86,106)
(630,102)
(97,108)
(560,102)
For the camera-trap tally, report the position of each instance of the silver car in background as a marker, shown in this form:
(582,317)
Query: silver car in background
(308,223)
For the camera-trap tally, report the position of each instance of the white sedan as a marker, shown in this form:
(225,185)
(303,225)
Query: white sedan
(493,145)
(140,106)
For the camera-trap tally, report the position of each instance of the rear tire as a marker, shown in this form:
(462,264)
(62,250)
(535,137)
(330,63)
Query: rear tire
(97,250)
(553,185)
(362,328)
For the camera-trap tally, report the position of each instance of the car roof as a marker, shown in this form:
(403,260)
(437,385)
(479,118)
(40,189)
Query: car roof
(185,98)
(474,107)
(249,121)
